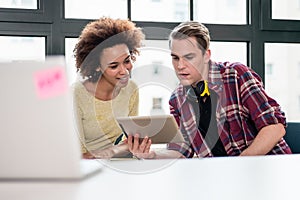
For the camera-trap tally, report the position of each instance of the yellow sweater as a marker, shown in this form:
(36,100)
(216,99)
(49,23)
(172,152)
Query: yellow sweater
(96,124)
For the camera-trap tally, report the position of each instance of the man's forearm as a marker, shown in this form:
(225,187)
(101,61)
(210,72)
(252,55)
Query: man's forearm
(265,140)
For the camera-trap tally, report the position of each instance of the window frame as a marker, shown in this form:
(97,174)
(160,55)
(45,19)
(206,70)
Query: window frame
(268,23)
(49,21)
(40,15)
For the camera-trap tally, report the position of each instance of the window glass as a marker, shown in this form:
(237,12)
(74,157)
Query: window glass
(70,59)
(15,48)
(22,4)
(154,74)
(220,11)
(229,51)
(160,10)
(94,9)
(289,10)
(282,83)
(153,71)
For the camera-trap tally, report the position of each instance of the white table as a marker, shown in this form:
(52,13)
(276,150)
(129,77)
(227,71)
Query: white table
(262,177)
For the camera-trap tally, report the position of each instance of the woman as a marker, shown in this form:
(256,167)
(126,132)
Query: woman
(104,56)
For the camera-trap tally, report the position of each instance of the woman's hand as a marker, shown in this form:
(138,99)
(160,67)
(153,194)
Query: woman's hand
(140,148)
(99,154)
(104,154)
(88,155)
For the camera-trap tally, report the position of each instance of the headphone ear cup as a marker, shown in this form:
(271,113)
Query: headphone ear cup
(200,88)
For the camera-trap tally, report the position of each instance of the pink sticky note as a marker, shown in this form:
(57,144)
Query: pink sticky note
(50,82)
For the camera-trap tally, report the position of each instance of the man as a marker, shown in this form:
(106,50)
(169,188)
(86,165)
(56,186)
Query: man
(222,108)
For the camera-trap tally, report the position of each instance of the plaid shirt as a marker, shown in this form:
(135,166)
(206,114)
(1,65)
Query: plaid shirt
(243,109)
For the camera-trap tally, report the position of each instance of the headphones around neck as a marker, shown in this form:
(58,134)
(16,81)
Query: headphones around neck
(199,91)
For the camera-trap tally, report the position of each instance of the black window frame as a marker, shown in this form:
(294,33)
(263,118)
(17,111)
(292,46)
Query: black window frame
(268,23)
(49,21)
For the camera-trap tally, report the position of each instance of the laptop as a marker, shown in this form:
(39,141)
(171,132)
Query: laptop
(38,130)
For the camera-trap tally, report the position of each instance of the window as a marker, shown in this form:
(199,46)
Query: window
(70,59)
(157,108)
(153,70)
(229,51)
(289,10)
(155,76)
(227,21)
(15,48)
(20,4)
(153,73)
(163,11)
(298,70)
(93,9)
(298,103)
(221,11)
(283,84)
(269,69)
(280,16)
(156,103)
(156,66)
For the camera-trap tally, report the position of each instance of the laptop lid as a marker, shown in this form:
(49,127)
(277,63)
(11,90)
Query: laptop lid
(38,134)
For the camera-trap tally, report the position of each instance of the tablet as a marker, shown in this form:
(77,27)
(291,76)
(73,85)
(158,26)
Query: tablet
(161,129)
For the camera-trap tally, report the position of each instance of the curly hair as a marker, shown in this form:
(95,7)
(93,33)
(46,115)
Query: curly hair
(99,35)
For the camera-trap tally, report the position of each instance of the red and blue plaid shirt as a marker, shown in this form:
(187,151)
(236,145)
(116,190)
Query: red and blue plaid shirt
(243,109)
